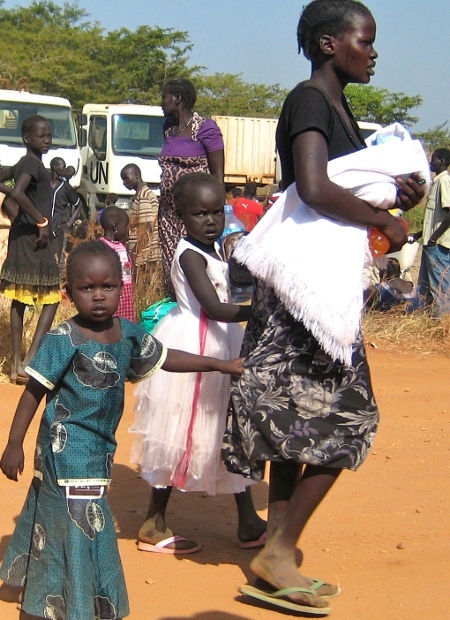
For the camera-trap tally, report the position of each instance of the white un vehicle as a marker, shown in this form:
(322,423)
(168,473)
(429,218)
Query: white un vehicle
(15,106)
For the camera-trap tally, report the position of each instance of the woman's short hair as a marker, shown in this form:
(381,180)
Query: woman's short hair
(184,88)
(319,17)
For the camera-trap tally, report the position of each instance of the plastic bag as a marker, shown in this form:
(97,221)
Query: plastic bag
(154,313)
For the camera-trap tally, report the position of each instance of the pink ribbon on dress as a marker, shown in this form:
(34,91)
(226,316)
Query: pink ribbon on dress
(180,475)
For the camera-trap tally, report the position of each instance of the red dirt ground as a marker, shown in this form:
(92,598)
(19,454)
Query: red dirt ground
(382,533)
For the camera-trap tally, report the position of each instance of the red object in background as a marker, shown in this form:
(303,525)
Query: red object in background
(272,199)
(378,243)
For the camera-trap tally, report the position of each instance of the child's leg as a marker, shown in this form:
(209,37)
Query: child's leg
(44,323)
(16,318)
(155,520)
(250,525)
(154,529)
(277,562)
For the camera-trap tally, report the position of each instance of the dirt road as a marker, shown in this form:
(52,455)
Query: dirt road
(382,533)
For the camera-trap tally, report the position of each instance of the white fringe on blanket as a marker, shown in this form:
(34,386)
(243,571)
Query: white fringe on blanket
(316,265)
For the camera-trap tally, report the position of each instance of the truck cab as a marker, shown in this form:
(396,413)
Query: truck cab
(113,136)
(15,106)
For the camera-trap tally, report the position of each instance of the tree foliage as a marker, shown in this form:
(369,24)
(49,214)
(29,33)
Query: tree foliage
(226,94)
(136,64)
(378,105)
(56,50)
(63,54)
(436,138)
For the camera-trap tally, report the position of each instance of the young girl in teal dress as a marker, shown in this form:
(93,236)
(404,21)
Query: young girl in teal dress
(63,552)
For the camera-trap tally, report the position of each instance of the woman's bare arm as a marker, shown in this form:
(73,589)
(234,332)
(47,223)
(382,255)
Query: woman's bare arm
(315,189)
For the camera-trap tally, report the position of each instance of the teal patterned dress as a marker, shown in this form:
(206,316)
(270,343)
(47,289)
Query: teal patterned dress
(64,550)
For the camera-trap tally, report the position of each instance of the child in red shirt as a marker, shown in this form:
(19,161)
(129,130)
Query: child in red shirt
(246,209)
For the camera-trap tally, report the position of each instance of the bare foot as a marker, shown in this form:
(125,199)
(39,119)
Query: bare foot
(279,569)
(149,533)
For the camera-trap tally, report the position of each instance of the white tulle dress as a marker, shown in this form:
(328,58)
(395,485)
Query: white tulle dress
(180,417)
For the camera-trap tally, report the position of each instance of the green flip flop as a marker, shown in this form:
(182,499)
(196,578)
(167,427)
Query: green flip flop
(318,583)
(278,599)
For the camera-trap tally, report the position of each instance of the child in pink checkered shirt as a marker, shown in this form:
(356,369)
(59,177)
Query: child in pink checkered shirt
(114,222)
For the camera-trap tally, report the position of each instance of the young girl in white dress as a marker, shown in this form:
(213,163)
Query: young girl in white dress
(180,420)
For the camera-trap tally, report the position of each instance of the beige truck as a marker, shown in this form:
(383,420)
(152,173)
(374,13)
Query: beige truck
(250,153)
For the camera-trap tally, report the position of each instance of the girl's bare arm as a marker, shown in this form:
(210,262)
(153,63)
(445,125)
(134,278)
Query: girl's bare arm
(12,461)
(19,196)
(181,361)
(194,268)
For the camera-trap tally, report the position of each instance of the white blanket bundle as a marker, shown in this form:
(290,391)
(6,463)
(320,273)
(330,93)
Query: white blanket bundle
(315,264)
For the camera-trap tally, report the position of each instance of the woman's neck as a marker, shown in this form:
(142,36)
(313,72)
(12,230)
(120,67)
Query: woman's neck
(185,116)
(333,84)
(183,122)
(329,81)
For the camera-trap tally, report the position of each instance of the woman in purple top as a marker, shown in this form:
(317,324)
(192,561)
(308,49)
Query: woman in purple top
(192,143)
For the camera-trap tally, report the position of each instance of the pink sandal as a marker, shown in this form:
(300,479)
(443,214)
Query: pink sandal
(162,546)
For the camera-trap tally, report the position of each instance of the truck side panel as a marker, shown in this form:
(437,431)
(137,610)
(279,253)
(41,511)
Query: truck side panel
(249,148)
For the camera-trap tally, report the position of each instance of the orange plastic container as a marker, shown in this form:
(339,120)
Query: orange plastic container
(378,243)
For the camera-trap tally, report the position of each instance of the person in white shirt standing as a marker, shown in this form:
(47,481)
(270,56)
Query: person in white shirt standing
(434,274)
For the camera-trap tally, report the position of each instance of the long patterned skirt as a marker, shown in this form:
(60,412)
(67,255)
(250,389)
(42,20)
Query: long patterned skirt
(64,554)
(170,226)
(293,402)
(170,229)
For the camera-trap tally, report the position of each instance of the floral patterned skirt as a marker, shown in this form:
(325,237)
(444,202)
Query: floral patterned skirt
(293,402)
(64,554)
(170,226)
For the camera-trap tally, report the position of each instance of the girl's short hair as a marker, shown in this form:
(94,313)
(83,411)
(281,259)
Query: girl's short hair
(29,122)
(319,17)
(184,88)
(186,185)
(91,248)
(112,215)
